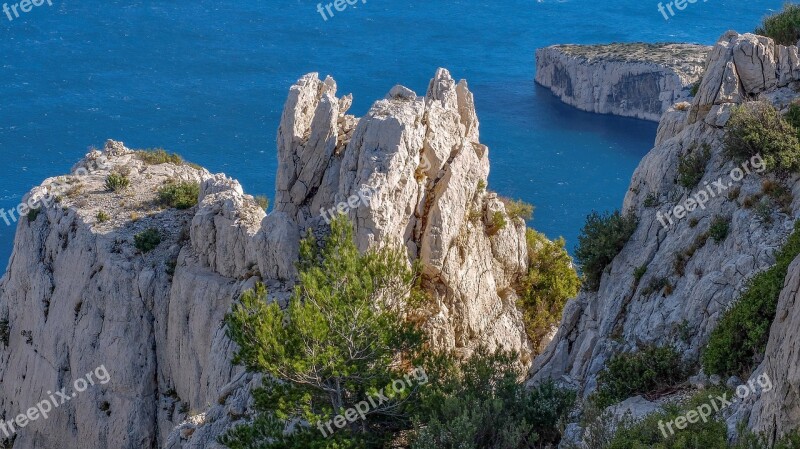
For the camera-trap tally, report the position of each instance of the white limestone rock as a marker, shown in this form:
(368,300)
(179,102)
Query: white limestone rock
(77,294)
(631,80)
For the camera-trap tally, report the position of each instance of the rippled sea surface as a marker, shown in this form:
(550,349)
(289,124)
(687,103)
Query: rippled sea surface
(208,79)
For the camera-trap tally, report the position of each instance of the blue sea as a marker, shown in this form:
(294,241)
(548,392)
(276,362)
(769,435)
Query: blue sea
(208,79)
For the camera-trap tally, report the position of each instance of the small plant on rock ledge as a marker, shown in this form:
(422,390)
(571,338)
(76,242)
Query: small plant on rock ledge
(158,156)
(498,223)
(657,285)
(649,372)
(518,209)
(180,195)
(116,182)
(4,332)
(602,238)
(147,240)
(651,200)
(692,166)
(719,229)
(33,214)
(262,201)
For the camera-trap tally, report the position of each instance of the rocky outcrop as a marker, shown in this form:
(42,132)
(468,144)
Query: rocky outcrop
(78,294)
(631,80)
(624,313)
(697,278)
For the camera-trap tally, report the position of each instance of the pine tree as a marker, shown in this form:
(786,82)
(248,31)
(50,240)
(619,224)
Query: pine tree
(342,338)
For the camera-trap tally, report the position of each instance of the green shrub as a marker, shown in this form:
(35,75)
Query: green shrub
(262,201)
(343,326)
(551,280)
(482,405)
(692,166)
(181,195)
(719,229)
(657,285)
(602,238)
(793,116)
(33,214)
(4,331)
(648,434)
(779,193)
(649,371)
(783,27)
(159,156)
(749,440)
(498,222)
(758,128)
(117,181)
(696,87)
(639,272)
(518,209)
(763,210)
(102,217)
(651,200)
(147,240)
(743,331)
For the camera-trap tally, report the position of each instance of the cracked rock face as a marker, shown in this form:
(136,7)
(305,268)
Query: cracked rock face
(630,80)
(705,279)
(78,294)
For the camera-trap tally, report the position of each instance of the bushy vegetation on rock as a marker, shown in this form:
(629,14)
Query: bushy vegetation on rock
(116,182)
(602,238)
(743,330)
(518,209)
(647,433)
(481,404)
(147,240)
(349,331)
(692,166)
(783,26)
(180,195)
(159,156)
(758,128)
(649,371)
(551,280)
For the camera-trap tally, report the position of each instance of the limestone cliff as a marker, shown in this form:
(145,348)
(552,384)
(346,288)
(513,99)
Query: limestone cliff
(631,80)
(78,294)
(705,278)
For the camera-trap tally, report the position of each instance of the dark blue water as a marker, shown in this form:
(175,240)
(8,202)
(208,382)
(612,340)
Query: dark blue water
(208,79)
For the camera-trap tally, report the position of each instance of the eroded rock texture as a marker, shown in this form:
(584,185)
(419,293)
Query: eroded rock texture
(631,80)
(704,279)
(77,294)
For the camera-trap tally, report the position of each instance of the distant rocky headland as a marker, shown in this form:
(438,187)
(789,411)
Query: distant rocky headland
(631,80)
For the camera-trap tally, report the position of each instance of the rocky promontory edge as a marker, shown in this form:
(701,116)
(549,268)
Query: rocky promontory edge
(631,80)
